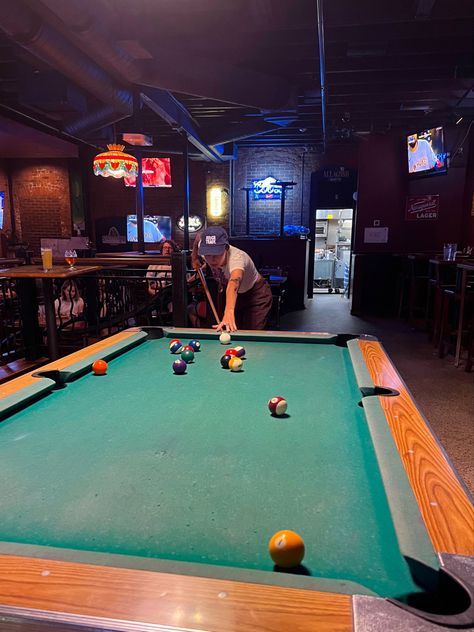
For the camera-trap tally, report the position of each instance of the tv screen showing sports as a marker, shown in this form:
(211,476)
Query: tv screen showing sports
(156,228)
(426,153)
(156,173)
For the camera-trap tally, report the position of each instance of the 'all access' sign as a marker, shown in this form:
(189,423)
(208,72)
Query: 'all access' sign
(422,207)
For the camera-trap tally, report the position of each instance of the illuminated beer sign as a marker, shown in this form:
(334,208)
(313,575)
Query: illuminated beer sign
(266,189)
(195,223)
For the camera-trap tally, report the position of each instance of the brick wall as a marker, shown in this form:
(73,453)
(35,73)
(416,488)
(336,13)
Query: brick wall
(41,199)
(287,164)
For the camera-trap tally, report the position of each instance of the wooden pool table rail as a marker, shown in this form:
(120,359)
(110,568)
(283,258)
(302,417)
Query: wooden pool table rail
(444,503)
(174,602)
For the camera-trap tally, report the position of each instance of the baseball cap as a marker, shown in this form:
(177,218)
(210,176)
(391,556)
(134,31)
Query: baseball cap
(213,241)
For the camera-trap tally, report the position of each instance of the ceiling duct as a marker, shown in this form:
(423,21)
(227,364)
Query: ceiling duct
(31,33)
(204,77)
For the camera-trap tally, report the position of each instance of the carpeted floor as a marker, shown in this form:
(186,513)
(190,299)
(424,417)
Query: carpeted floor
(444,394)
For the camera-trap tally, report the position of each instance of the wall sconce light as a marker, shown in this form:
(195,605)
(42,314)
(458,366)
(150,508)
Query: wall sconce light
(216,202)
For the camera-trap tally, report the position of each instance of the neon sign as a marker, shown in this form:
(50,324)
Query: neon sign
(266,189)
(195,223)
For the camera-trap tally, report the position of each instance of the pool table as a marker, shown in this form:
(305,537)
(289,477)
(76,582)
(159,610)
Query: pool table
(144,500)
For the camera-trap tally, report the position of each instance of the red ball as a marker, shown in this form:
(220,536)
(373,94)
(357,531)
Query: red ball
(100,367)
(277,406)
(232,352)
(174,340)
(187,348)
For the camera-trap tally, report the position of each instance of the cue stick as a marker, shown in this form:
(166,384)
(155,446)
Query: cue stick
(208,295)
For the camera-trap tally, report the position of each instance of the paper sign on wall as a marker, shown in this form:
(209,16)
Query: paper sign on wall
(376,235)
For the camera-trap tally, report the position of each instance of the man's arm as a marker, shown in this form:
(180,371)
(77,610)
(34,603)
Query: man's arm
(233,285)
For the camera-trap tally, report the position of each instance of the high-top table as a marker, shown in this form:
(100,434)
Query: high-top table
(464,269)
(26,275)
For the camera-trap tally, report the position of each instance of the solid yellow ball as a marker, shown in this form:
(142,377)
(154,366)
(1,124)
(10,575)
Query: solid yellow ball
(286,548)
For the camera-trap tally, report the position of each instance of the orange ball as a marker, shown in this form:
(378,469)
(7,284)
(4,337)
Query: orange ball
(286,548)
(100,367)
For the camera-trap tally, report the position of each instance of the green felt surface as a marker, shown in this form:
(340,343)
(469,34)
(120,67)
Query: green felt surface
(193,468)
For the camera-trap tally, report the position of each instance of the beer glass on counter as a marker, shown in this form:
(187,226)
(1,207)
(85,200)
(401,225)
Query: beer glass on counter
(70,256)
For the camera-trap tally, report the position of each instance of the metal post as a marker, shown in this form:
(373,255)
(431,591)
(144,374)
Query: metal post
(51,329)
(247,216)
(140,203)
(186,192)
(179,289)
(322,68)
(282,209)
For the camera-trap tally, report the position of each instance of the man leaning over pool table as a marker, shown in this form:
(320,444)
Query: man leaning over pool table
(248,295)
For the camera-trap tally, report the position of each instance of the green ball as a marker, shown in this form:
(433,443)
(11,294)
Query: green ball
(187,356)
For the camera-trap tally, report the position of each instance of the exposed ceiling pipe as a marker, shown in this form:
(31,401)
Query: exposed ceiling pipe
(322,68)
(27,29)
(205,77)
(31,33)
(97,119)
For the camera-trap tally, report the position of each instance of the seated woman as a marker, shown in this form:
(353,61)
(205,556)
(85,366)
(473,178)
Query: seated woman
(161,271)
(161,275)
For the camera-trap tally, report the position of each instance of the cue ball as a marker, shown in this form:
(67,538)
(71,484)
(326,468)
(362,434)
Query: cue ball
(224,338)
(225,361)
(195,344)
(235,364)
(277,406)
(187,355)
(179,367)
(286,548)
(100,367)
(176,347)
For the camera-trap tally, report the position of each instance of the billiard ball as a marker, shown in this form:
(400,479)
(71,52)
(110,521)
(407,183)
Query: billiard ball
(179,367)
(174,340)
(224,338)
(286,548)
(187,355)
(240,351)
(195,344)
(187,348)
(232,352)
(235,363)
(176,347)
(100,367)
(225,361)
(277,406)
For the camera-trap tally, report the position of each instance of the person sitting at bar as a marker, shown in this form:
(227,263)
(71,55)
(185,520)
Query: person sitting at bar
(161,271)
(248,295)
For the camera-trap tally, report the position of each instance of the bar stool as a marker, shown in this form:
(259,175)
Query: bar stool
(449,320)
(414,284)
(442,276)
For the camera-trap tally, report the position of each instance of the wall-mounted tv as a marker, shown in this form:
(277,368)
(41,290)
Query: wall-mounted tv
(156,228)
(156,173)
(426,152)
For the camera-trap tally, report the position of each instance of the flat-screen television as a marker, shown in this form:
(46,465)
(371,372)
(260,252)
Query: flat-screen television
(156,228)
(156,173)
(426,152)
(2,202)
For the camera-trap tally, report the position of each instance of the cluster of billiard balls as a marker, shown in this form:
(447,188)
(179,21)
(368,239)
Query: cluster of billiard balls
(187,354)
